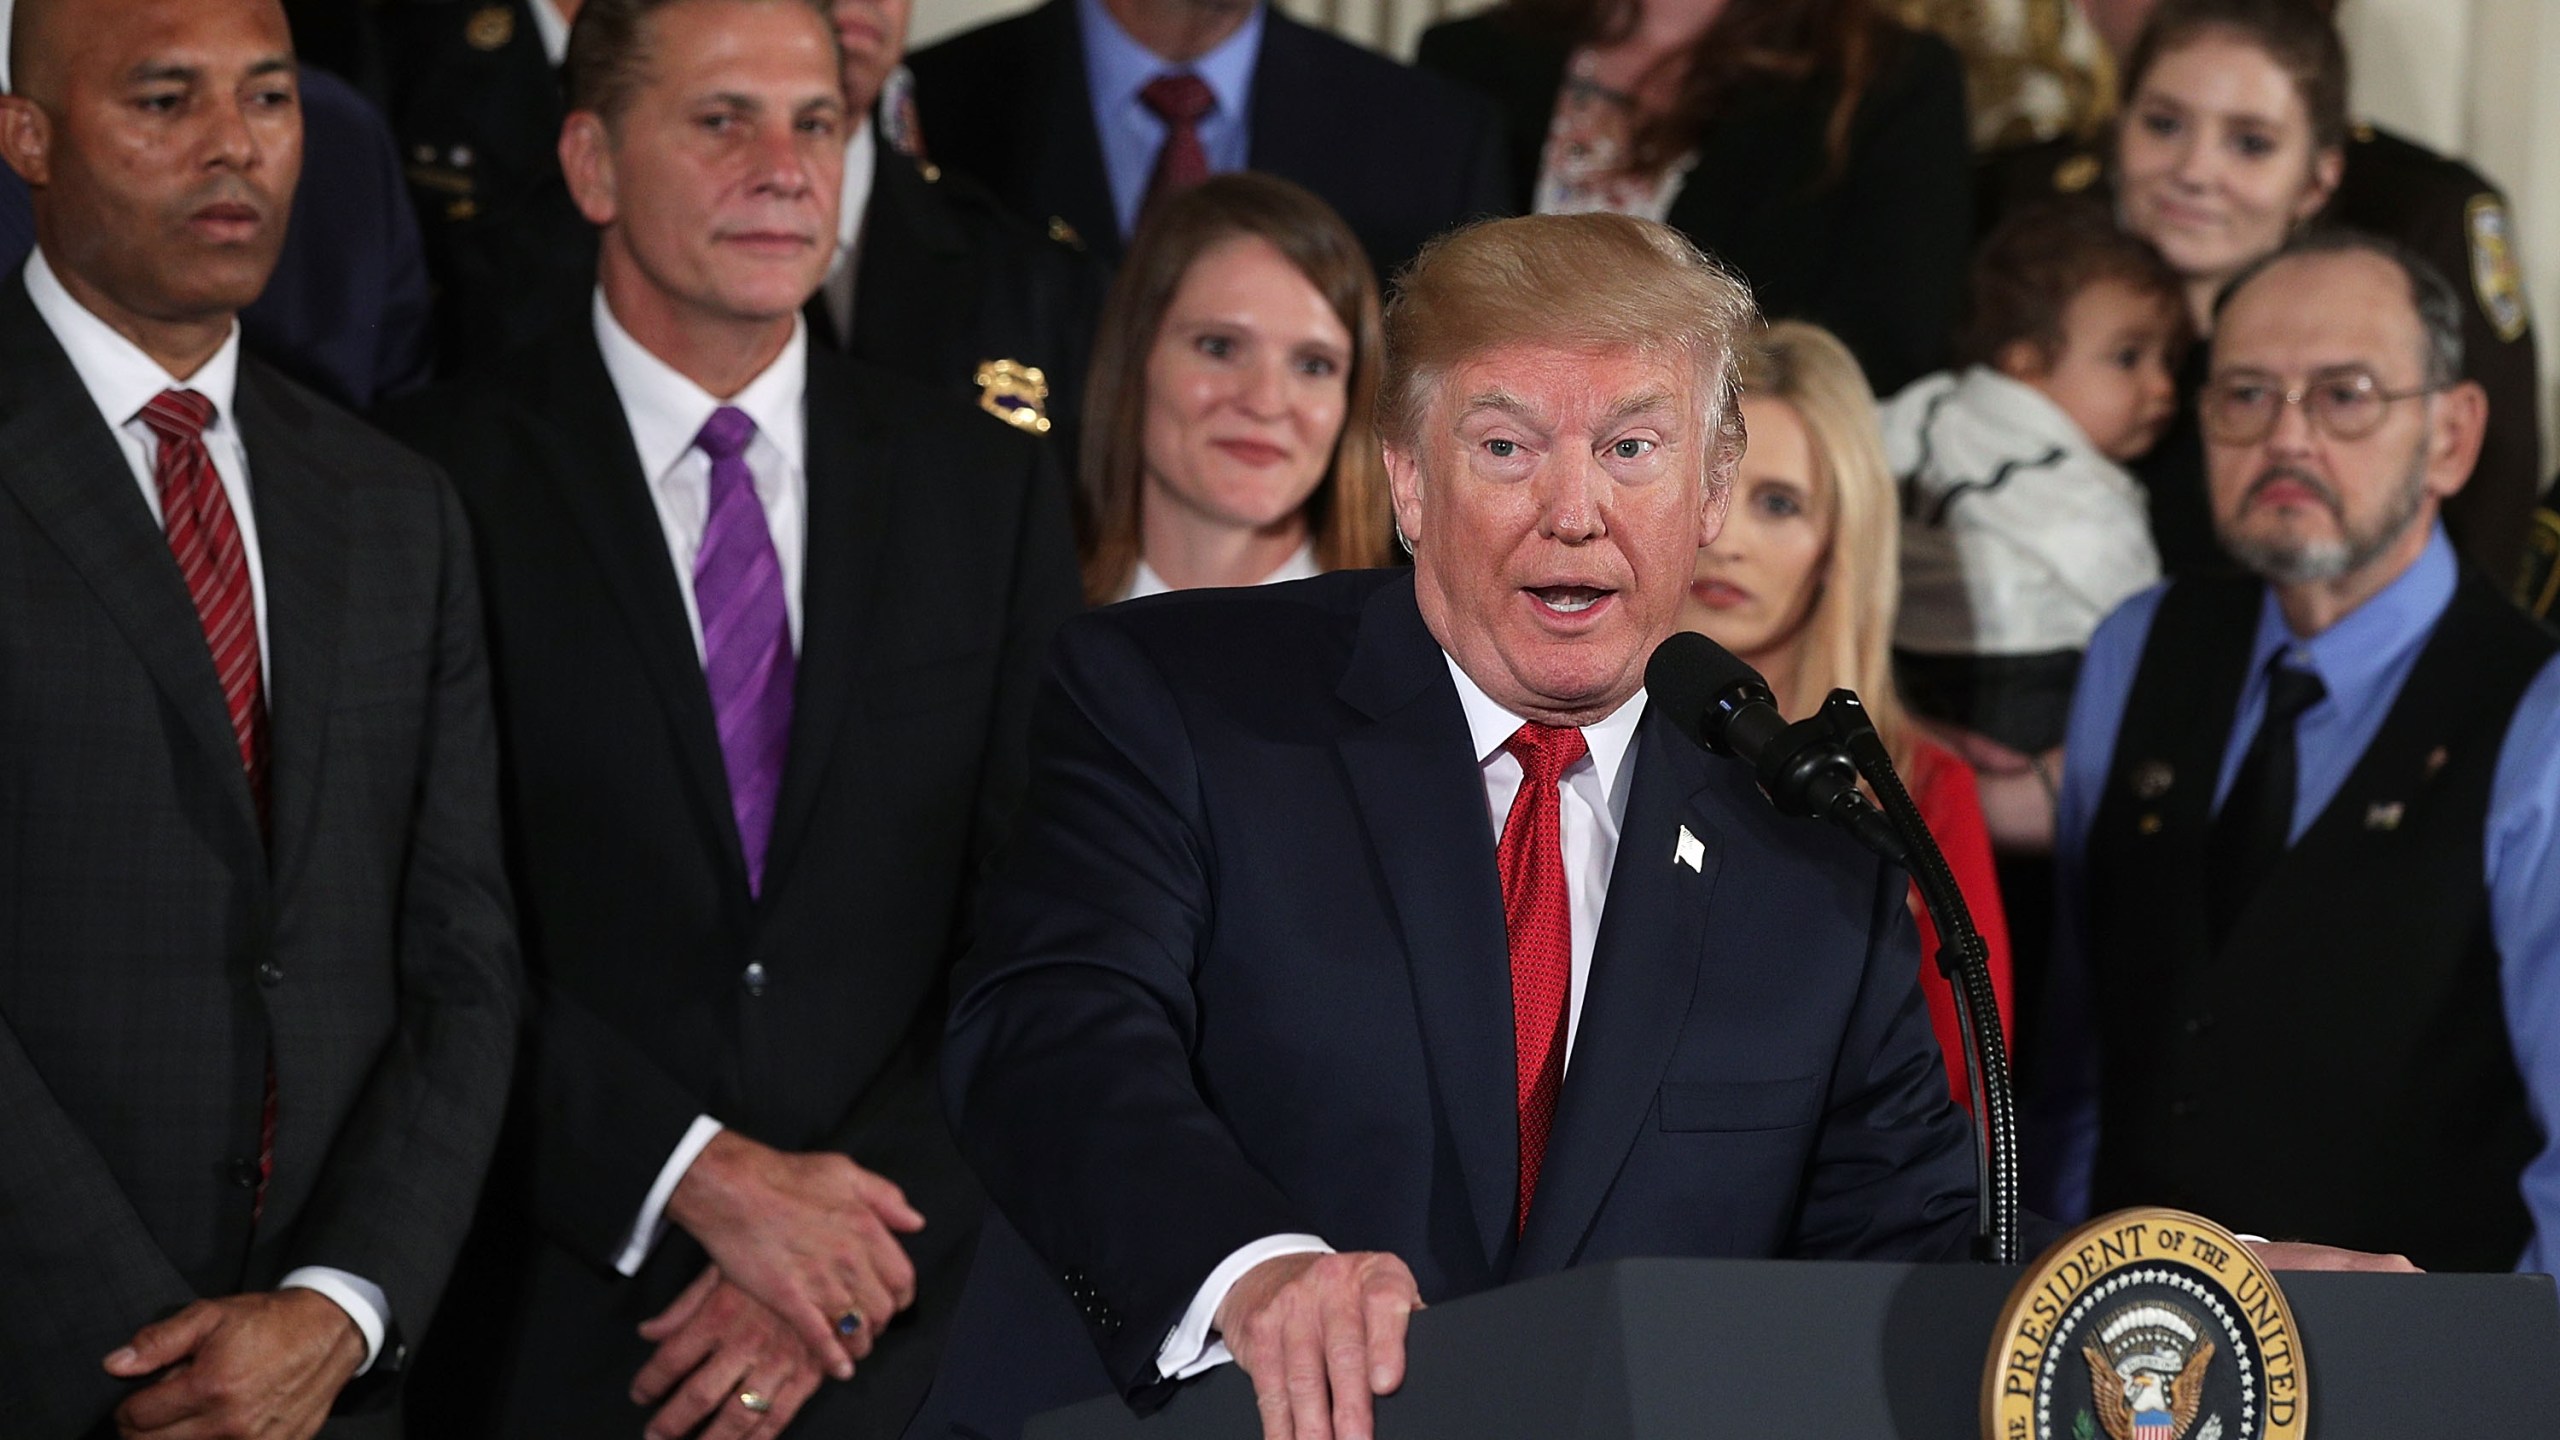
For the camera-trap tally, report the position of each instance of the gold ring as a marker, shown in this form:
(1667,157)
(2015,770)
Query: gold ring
(755,1400)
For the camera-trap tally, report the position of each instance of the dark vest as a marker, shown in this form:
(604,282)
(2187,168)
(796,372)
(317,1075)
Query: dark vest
(2339,1070)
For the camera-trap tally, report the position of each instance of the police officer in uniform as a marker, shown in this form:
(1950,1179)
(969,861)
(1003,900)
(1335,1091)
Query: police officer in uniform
(474,91)
(934,277)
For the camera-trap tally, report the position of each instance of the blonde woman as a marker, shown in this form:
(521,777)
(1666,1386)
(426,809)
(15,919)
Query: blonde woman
(1802,583)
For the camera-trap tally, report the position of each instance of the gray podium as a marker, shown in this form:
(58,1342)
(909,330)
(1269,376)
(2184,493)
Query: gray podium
(1773,1350)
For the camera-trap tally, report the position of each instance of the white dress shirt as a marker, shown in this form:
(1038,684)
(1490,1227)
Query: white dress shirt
(861,170)
(665,412)
(121,379)
(553,28)
(1593,795)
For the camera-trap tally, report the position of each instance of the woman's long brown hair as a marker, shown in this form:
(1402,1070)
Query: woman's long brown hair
(1347,514)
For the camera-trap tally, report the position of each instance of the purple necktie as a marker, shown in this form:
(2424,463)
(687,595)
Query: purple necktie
(746,634)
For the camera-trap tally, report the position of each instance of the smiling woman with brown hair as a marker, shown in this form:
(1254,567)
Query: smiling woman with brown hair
(1228,420)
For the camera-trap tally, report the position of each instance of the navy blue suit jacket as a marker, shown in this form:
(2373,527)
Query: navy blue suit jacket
(1244,972)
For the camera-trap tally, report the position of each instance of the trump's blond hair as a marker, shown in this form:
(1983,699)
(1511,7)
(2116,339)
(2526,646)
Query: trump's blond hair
(1577,282)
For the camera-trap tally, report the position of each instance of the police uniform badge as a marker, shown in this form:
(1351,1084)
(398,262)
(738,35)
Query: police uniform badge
(2495,277)
(2145,1325)
(489,28)
(2077,174)
(1014,393)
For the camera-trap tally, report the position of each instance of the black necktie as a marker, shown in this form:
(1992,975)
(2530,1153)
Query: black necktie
(2257,816)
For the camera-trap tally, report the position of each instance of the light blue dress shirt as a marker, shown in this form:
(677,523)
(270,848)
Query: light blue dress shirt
(2363,660)
(1117,67)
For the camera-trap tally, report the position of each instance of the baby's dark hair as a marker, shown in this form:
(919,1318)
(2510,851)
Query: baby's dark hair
(2026,273)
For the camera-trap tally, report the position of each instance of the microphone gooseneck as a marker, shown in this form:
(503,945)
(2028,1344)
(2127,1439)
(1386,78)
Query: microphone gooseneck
(1812,767)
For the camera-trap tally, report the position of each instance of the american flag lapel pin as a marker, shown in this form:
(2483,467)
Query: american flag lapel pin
(1690,852)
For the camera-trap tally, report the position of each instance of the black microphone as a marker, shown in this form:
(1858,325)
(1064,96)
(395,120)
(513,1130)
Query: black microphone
(1723,704)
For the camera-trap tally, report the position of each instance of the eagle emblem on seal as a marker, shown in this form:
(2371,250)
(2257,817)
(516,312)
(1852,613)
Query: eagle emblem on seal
(2146,1373)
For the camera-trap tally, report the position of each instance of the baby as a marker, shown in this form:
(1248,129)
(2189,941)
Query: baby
(2021,529)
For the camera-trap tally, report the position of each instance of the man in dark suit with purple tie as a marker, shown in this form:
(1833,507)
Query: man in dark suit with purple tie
(765,622)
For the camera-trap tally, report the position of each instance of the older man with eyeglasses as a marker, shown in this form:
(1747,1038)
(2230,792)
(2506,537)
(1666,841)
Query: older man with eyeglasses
(2308,974)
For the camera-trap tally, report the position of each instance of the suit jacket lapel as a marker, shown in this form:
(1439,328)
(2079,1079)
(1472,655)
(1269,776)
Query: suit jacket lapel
(1290,122)
(1644,975)
(67,470)
(853,462)
(302,542)
(1422,797)
(591,459)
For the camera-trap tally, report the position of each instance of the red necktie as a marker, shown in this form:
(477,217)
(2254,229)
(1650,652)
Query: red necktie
(1537,911)
(1180,101)
(205,539)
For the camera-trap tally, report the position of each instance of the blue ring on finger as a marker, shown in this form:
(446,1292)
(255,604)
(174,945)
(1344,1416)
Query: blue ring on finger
(849,1324)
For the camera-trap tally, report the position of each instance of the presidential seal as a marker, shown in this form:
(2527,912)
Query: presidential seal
(2145,1325)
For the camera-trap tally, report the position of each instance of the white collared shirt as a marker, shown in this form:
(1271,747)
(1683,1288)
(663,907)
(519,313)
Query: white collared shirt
(121,379)
(1593,793)
(553,27)
(666,412)
(861,171)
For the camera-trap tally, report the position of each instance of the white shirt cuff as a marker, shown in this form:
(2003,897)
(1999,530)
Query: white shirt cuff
(1193,1348)
(652,1222)
(360,1298)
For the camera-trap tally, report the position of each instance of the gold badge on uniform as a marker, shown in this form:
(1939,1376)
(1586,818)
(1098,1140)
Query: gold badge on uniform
(2076,174)
(1014,393)
(2145,1325)
(490,28)
(2495,277)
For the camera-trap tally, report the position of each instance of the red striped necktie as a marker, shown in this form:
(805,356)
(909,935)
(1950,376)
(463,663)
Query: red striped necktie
(204,536)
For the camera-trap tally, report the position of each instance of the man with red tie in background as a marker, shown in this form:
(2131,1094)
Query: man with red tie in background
(765,622)
(257,976)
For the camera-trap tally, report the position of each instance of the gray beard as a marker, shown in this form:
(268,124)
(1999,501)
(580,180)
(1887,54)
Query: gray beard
(2317,562)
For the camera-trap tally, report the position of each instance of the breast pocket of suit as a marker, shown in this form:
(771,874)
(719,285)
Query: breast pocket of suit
(1738,1106)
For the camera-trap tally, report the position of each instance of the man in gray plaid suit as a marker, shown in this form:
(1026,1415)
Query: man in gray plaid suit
(258,985)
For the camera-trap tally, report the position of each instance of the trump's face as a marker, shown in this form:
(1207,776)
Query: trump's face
(1556,499)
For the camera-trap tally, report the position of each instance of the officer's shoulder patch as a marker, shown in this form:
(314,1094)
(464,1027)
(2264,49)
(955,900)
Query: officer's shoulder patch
(2496,280)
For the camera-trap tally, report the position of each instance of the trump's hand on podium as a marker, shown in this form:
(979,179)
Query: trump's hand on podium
(1320,1335)
(2293,1255)
(814,1237)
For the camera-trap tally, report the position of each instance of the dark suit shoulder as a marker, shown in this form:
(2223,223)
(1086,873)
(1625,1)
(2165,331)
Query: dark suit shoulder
(983,57)
(1288,641)
(360,453)
(1372,88)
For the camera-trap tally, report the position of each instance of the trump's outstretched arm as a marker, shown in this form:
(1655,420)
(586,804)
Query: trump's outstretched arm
(1069,1070)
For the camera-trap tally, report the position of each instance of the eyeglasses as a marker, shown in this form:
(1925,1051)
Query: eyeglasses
(2241,408)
